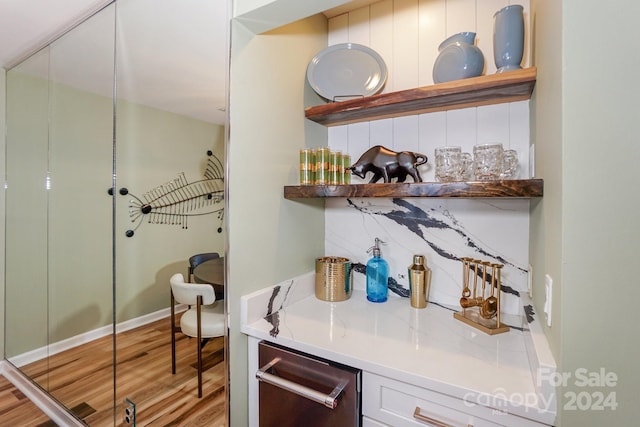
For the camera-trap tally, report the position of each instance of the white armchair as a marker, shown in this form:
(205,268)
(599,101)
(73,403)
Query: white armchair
(205,319)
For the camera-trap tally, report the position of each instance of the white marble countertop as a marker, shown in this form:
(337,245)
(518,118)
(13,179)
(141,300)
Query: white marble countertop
(427,347)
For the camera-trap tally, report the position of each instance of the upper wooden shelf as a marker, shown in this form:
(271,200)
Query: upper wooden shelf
(509,188)
(511,86)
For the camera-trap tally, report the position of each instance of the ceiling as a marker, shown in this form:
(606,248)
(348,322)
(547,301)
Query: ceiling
(186,57)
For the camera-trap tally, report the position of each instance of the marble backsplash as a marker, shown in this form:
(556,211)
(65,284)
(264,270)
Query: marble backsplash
(443,230)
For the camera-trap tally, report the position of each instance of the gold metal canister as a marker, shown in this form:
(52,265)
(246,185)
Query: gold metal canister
(333,278)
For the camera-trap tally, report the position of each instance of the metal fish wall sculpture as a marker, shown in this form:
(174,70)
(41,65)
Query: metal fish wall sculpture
(174,202)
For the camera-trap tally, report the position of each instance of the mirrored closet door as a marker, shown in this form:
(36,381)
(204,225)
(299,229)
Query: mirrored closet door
(59,281)
(170,139)
(114,178)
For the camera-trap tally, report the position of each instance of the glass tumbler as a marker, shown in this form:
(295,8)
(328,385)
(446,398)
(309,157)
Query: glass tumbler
(487,161)
(466,167)
(322,165)
(335,168)
(448,164)
(307,166)
(509,164)
(346,172)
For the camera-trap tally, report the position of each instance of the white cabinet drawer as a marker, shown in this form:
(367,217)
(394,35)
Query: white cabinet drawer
(368,422)
(393,403)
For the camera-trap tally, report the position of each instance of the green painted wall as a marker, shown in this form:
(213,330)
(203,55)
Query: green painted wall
(270,239)
(585,229)
(601,202)
(153,148)
(3,76)
(67,285)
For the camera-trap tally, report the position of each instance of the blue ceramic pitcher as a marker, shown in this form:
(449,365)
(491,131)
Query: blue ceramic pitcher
(459,58)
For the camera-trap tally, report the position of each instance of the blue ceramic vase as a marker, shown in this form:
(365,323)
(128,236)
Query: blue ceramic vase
(459,58)
(508,38)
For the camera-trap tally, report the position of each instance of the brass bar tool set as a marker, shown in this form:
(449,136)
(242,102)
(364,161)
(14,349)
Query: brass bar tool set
(480,302)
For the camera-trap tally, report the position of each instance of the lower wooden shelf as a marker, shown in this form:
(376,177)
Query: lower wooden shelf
(510,188)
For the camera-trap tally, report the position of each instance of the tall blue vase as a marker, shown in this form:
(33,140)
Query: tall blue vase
(508,38)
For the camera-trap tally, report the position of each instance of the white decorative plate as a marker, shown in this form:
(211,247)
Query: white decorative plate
(347,70)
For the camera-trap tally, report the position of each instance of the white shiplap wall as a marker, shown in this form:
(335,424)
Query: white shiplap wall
(407,33)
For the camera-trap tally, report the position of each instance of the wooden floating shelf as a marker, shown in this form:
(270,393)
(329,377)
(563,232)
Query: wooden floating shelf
(510,188)
(511,86)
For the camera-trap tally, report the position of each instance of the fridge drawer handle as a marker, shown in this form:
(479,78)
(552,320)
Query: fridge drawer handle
(432,421)
(329,400)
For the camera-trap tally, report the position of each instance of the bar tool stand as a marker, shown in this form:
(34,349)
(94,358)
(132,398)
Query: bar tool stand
(481,306)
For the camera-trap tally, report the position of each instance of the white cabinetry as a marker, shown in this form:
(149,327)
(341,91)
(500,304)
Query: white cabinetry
(398,376)
(368,422)
(386,402)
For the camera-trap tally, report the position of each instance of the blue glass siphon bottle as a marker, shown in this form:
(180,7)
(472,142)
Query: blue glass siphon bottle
(377,275)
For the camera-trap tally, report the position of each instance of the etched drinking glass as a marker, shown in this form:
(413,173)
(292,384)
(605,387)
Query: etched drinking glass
(509,164)
(451,164)
(487,161)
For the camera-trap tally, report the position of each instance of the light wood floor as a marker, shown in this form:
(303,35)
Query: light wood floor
(82,378)
(16,409)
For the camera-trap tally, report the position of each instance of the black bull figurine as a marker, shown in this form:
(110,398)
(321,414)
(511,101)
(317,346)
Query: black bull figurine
(388,164)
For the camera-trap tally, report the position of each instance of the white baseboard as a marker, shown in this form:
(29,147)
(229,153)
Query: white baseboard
(147,318)
(66,344)
(58,413)
(54,410)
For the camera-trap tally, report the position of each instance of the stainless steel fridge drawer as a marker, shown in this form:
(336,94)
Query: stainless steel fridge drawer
(297,389)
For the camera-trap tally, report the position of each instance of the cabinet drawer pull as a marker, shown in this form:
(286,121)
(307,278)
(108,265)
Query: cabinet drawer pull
(418,416)
(329,400)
